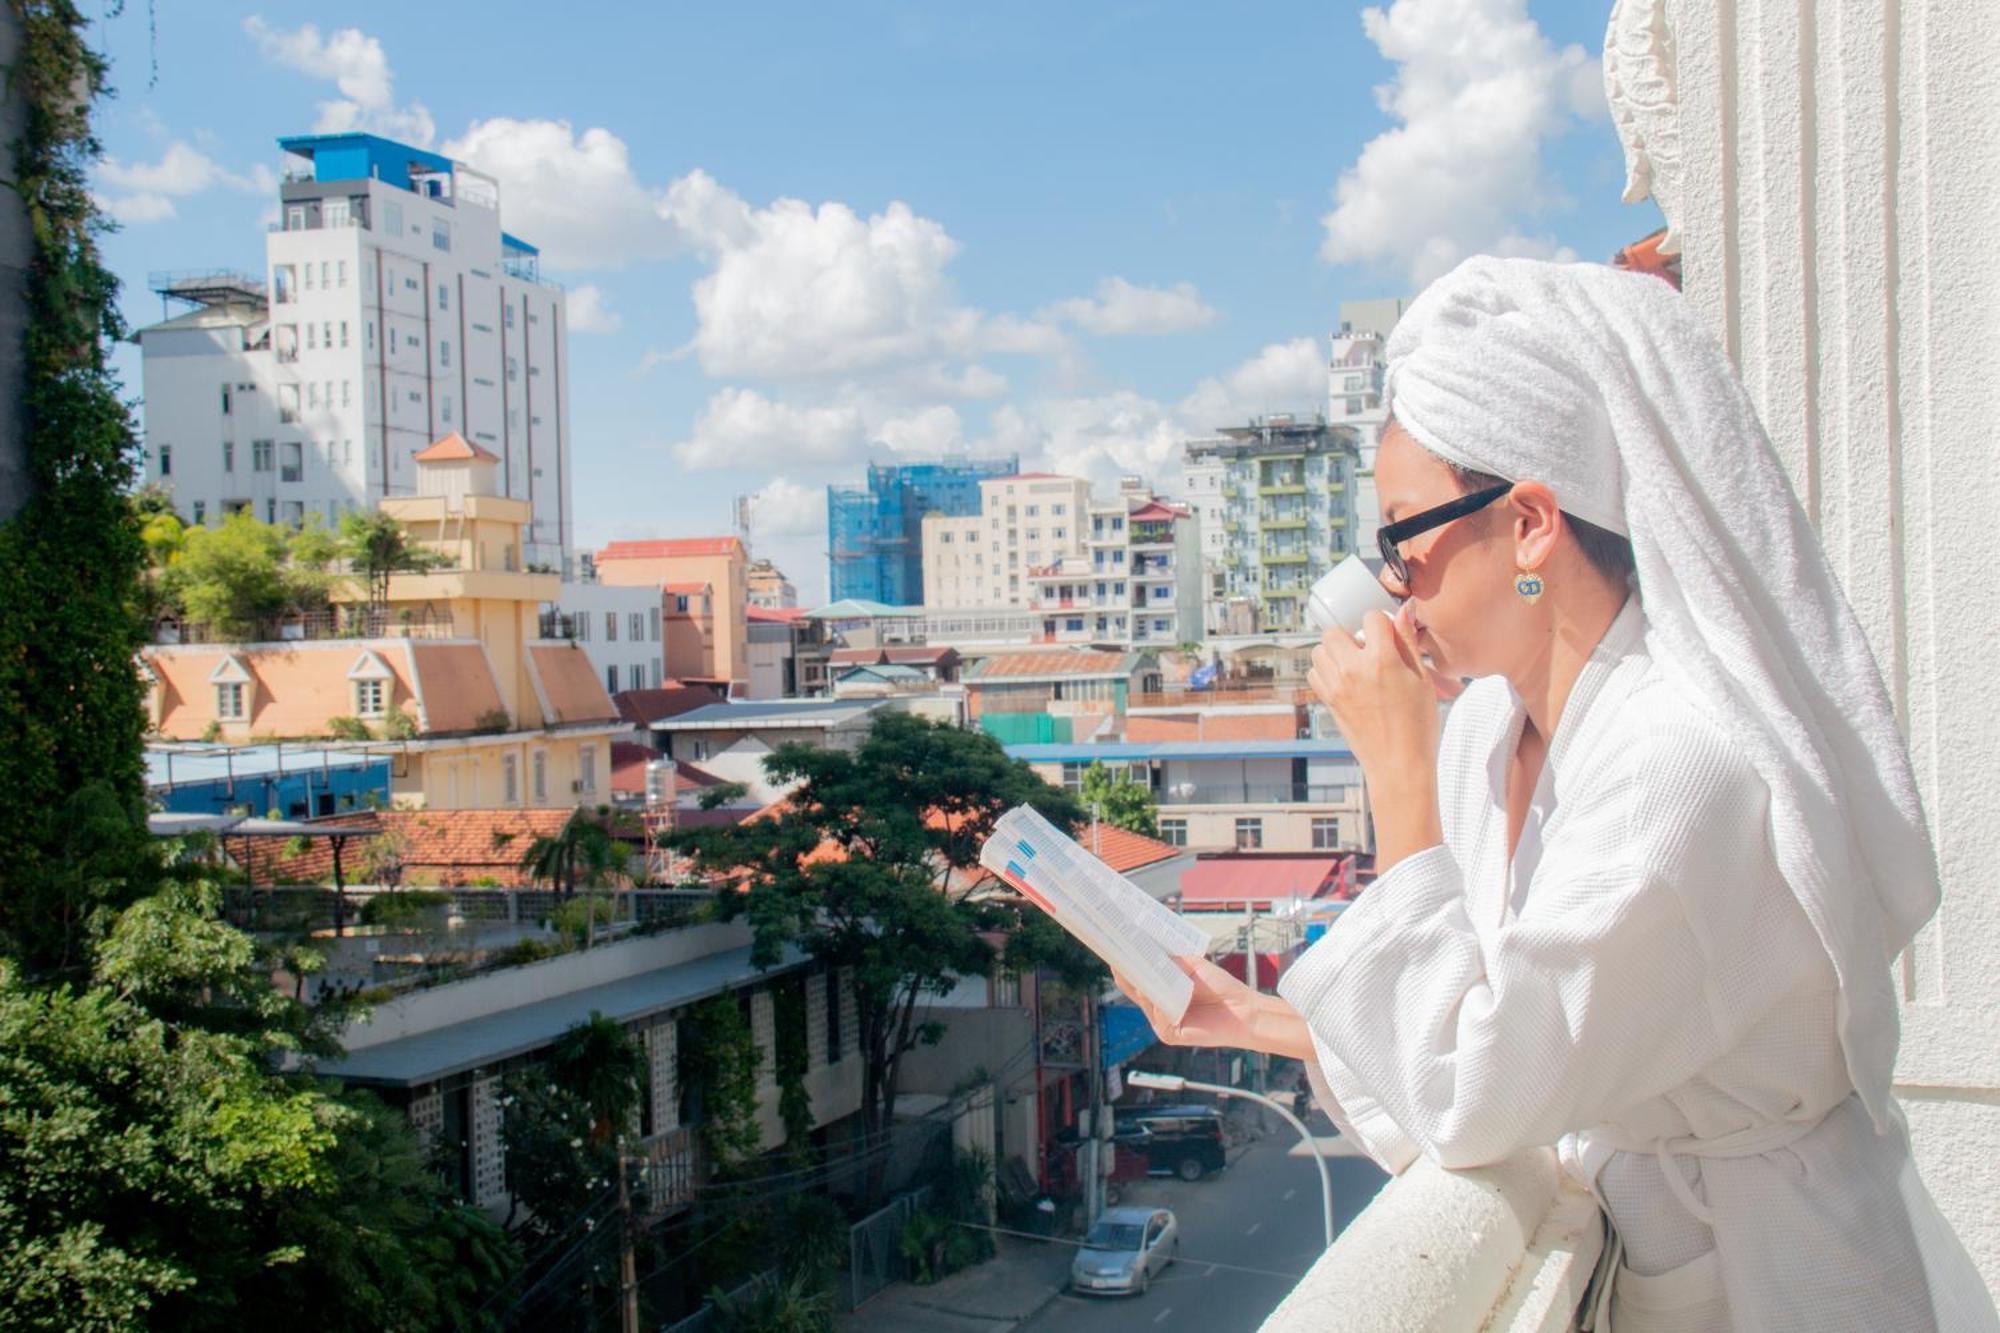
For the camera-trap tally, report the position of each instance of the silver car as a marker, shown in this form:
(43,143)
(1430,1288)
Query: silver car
(1124,1250)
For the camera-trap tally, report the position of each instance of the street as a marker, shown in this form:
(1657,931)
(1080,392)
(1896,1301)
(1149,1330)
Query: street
(1247,1234)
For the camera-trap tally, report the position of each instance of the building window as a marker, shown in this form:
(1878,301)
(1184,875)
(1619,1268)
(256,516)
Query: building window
(1173,832)
(225,400)
(833,1051)
(507,315)
(200,512)
(371,698)
(392,217)
(1249,835)
(282,280)
(166,460)
(263,455)
(1326,834)
(586,768)
(293,467)
(611,679)
(635,626)
(229,701)
(538,769)
(611,627)
(288,403)
(513,368)
(444,298)
(444,353)
(369,329)
(653,624)
(583,627)
(658,672)
(680,603)
(510,780)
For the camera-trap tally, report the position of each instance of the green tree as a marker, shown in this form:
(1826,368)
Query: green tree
(865,868)
(604,1065)
(718,1059)
(377,548)
(1119,801)
(232,577)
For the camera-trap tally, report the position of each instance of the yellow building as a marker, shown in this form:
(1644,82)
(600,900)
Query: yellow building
(477,709)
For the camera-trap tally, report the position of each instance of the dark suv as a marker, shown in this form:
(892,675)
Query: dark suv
(1183,1140)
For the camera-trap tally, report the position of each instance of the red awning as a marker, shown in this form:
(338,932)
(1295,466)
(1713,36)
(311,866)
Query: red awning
(1239,878)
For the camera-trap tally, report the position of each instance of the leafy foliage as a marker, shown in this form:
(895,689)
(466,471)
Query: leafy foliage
(1119,801)
(864,868)
(719,1058)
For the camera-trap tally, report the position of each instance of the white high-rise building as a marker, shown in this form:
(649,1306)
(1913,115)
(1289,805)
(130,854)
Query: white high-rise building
(1354,394)
(393,311)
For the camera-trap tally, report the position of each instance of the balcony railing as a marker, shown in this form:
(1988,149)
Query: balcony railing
(556,625)
(1252,793)
(348,622)
(1508,1247)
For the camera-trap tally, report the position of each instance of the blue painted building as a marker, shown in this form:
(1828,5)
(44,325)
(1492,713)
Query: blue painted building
(294,781)
(874,531)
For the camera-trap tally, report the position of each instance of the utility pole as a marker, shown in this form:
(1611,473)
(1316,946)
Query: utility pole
(1254,975)
(628,1271)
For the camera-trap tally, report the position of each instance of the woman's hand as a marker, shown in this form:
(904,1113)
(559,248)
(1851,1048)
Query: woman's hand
(1225,1012)
(1385,701)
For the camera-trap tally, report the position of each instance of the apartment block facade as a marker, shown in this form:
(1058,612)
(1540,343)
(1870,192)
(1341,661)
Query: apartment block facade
(985,559)
(1277,506)
(392,310)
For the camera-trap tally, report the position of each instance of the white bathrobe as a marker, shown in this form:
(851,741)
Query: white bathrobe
(1639,985)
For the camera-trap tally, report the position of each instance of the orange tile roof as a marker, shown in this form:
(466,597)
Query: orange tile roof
(570,688)
(1122,849)
(780,615)
(1151,511)
(455,681)
(642,550)
(455,448)
(671,700)
(438,847)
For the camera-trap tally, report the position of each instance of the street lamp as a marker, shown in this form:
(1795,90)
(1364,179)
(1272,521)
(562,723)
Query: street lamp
(1142,1078)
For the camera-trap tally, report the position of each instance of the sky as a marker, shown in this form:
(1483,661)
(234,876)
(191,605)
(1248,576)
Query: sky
(796,238)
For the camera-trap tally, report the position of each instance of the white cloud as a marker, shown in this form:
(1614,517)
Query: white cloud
(358,68)
(574,195)
(1478,90)
(591,312)
(784,508)
(1121,307)
(930,430)
(135,192)
(743,428)
(1283,377)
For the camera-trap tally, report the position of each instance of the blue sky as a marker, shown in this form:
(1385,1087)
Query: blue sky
(805,236)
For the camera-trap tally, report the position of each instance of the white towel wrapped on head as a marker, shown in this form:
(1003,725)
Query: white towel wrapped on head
(1604,386)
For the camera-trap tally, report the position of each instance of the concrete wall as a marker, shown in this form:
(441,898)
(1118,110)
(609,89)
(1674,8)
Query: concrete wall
(1836,181)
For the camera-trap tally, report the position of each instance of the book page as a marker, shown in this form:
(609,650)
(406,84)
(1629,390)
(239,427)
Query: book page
(1113,917)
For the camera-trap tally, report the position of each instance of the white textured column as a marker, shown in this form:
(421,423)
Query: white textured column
(1837,197)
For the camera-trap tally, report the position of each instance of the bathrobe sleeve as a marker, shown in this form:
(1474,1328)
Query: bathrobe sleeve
(1630,968)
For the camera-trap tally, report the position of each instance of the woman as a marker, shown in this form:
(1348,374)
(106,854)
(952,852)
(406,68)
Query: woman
(1640,898)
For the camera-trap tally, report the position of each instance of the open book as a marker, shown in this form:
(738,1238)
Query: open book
(1116,919)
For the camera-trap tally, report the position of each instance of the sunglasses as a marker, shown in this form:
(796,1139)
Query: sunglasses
(1391,536)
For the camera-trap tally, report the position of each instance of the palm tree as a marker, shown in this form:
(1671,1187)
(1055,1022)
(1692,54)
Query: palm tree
(583,854)
(601,1063)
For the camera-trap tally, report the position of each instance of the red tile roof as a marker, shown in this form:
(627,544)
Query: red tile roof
(1152,510)
(640,707)
(1123,850)
(628,770)
(455,448)
(569,685)
(1233,877)
(780,615)
(1068,662)
(644,550)
(684,587)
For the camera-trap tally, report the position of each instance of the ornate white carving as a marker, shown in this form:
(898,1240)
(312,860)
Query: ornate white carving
(1640,84)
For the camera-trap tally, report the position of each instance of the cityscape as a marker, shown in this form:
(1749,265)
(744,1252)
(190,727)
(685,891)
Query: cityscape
(521,869)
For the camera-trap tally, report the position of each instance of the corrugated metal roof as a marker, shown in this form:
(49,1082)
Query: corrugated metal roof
(217,763)
(768,713)
(428,1056)
(1252,878)
(1064,664)
(1083,752)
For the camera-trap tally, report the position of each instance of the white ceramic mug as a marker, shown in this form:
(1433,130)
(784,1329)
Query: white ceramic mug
(1345,594)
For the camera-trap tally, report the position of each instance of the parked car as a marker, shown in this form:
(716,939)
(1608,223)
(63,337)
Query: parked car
(1124,1250)
(1185,1141)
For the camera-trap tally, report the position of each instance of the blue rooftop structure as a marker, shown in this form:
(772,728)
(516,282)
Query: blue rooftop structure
(344,157)
(297,781)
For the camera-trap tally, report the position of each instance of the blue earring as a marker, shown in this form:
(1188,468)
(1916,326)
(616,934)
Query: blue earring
(1529,585)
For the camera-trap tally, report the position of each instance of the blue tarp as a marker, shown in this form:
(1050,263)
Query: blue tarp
(1123,1033)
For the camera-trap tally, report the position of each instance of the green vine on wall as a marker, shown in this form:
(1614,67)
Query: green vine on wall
(718,1062)
(71,719)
